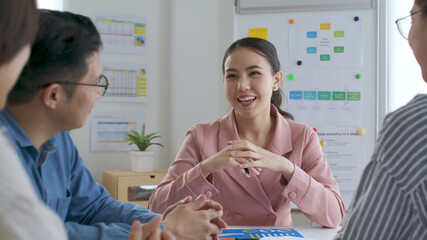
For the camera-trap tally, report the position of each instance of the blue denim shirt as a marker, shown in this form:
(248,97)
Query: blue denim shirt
(68,188)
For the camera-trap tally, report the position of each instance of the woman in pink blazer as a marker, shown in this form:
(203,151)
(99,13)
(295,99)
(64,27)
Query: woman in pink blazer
(255,160)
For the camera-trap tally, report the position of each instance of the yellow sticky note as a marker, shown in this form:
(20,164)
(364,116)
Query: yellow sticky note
(259,33)
(325,26)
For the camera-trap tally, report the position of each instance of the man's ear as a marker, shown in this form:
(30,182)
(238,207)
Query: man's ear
(53,95)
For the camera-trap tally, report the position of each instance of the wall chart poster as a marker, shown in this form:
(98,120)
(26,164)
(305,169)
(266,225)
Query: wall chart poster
(342,149)
(122,33)
(109,129)
(127,82)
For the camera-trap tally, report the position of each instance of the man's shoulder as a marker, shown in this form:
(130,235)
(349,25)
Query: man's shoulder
(417,107)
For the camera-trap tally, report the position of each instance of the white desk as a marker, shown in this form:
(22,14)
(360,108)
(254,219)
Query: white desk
(317,233)
(309,233)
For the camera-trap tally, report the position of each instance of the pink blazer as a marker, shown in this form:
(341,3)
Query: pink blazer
(260,200)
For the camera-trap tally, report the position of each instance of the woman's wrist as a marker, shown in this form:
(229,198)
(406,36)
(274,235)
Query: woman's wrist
(205,171)
(288,169)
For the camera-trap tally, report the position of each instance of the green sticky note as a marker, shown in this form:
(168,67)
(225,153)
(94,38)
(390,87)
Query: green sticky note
(323,95)
(338,33)
(339,49)
(353,96)
(325,57)
(338,96)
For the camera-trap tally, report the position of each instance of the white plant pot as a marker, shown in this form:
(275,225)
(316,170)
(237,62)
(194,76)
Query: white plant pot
(142,161)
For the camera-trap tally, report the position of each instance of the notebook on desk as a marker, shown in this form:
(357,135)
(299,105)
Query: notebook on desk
(260,233)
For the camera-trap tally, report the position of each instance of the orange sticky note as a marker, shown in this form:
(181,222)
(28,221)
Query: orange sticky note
(259,33)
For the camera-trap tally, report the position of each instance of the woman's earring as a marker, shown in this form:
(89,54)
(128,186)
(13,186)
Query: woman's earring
(275,88)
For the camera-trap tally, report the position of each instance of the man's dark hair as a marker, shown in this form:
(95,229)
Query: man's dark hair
(423,5)
(18,27)
(63,45)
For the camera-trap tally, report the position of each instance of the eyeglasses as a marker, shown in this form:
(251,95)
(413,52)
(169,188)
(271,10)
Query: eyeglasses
(102,84)
(404,24)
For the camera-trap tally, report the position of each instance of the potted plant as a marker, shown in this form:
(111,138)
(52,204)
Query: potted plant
(142,161)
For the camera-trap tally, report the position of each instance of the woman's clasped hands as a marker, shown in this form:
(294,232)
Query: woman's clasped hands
(244,154)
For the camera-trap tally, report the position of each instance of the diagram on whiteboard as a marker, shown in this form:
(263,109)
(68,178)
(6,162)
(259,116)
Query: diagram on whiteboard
(322,98)
(326,42)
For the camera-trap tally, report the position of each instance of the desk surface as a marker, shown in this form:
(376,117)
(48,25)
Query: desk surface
(309,233)
(317,232)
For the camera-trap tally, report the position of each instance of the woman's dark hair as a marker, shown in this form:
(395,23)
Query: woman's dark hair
(18,27)
(268,51)
(61,51)
(423,5)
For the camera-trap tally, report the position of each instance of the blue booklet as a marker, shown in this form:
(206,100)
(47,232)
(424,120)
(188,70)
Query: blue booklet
(258,233)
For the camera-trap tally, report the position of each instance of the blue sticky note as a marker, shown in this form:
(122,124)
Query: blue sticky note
(295,95)
(311,50)
(312,34)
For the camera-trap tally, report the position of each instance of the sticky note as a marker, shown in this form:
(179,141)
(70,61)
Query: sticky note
(259,33)
(295,95)
(325,26)
(339,49)
(310,95)
(311,50)
(325,57)
(322,95)
(353,96)
(338,96)
(338,33)
(312,34)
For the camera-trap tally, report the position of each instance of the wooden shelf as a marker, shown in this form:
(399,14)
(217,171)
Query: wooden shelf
(117,182)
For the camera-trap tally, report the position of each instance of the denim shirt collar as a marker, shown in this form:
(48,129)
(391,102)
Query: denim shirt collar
(18,135)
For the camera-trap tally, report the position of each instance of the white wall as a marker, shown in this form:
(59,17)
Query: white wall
(186,41)
(405,79)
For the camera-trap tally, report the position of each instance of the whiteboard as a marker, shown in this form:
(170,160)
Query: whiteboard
(257,6)
(347,162)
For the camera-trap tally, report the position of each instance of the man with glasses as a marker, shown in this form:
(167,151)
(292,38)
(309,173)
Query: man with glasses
(391,199)
(56,92)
